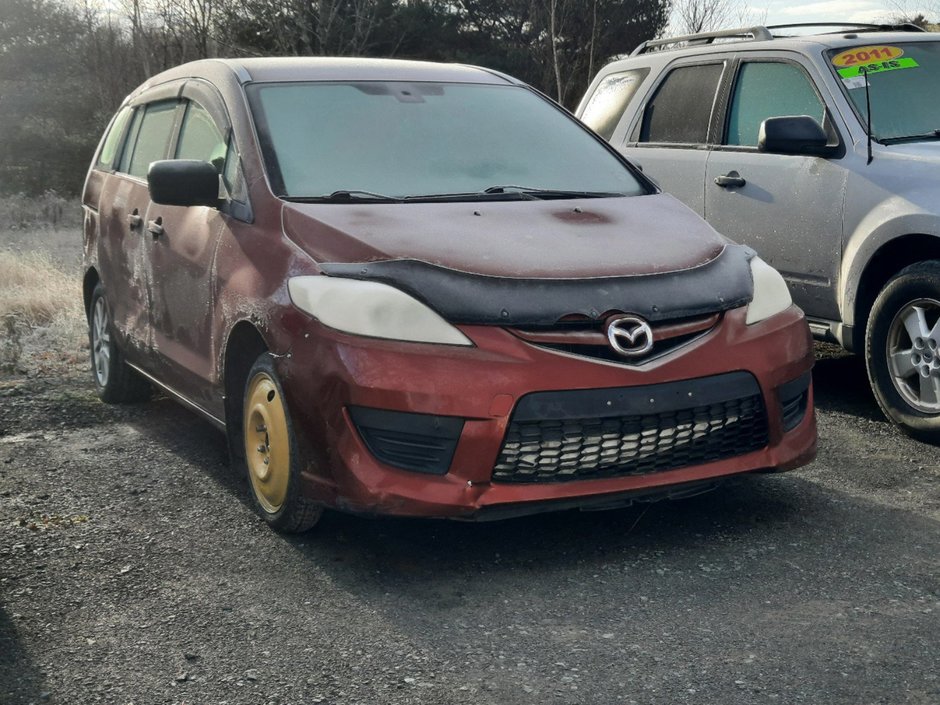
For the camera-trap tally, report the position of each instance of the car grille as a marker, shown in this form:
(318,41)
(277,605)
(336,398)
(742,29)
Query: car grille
(585,434)
(587,338)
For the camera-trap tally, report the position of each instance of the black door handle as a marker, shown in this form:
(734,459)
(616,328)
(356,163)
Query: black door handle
(155,227)
(134,219)
(730,180)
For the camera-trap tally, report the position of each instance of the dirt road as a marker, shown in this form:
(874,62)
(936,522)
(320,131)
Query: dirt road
(132,570)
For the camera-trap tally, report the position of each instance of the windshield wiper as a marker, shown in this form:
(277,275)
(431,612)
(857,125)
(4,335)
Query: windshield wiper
(512,193)
(343,195)
(541,193)
(932,135)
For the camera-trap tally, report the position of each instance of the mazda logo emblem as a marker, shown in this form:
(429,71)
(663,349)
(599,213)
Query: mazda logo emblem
(629,335)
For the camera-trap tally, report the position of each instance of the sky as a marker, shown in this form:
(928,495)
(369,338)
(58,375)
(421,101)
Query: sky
(787,11)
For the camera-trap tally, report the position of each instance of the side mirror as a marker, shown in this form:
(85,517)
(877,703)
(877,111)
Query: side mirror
(183,182)
(793,134)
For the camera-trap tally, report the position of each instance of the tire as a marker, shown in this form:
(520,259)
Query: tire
(115,381)
(271,457)
(902,344)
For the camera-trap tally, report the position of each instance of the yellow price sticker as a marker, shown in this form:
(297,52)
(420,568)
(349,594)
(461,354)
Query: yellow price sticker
(860,56)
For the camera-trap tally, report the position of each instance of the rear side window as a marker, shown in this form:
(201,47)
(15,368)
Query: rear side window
(681,110)
(153,137)
(764,90)
(606,105)
(112,142)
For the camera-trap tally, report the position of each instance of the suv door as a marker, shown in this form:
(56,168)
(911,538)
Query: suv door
(123,246)
(787,207)
(671,140)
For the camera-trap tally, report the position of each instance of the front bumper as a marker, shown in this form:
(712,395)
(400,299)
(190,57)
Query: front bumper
(328,376)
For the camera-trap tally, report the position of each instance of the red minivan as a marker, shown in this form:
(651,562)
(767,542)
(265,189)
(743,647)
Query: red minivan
(424,289)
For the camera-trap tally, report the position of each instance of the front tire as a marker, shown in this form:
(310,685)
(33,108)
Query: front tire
(902,350)
(115,381)
(271,457)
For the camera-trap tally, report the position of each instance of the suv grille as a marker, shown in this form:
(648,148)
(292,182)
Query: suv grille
(577,435)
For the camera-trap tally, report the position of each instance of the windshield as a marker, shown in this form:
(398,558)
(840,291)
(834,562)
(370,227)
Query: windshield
(904,82)
(372,140)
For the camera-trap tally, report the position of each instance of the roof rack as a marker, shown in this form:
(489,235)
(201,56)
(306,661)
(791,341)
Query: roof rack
(859,26)
(743,33)
(759,33)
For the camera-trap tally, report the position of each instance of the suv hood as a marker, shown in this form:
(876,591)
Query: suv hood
(582,238)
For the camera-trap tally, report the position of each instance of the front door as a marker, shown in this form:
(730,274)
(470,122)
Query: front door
(183,250)
(788,208)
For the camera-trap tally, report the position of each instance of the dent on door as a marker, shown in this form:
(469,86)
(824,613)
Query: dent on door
(123,261)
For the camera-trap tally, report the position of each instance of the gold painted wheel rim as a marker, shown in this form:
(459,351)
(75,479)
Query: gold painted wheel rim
(267,444)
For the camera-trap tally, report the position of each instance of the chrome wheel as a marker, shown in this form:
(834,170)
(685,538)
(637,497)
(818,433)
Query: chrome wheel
(912,354)
(101,342)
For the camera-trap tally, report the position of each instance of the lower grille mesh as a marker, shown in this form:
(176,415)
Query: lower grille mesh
(562,449)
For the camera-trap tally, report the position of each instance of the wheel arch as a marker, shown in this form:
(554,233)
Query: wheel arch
(889,259)
(89,282)
(243,345)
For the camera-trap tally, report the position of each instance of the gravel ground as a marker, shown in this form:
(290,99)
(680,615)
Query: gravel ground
(132,570)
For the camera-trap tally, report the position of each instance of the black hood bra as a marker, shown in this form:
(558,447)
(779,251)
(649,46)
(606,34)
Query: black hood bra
(721,284)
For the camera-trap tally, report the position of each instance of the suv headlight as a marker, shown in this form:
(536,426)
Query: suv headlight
(771,295)
(371,309)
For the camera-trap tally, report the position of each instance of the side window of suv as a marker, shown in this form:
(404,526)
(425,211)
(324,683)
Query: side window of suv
(681,110)
(150,137)
(606,105)
(769,89)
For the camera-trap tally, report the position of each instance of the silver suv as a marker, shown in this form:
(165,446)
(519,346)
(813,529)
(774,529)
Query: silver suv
(771,139)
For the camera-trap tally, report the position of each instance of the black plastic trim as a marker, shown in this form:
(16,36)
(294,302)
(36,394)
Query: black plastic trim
(635,401)
(593,503)
(794,400)
(422,443)
(461,297)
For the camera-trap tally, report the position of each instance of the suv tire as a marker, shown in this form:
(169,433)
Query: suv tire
(902,344)
(115,381)
(271,457)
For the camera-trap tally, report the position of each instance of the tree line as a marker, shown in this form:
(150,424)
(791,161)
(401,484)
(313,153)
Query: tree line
(65,66)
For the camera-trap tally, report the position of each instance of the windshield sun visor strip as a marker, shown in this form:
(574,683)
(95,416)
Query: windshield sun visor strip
(462,297)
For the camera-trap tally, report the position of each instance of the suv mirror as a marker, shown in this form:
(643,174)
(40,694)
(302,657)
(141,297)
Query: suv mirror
(793,134)
(183,182)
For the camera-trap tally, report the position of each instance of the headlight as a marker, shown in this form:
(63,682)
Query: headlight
(372,309)
(771,295)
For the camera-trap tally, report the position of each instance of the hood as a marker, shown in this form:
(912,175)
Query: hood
(924,151)
(582,238)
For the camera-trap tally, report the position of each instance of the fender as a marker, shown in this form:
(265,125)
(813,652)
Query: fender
(893,218)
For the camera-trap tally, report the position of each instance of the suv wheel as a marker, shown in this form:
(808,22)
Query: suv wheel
(272,460)
(115,381)
(902,350)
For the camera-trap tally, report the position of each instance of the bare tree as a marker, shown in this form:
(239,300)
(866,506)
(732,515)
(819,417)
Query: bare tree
(694,16)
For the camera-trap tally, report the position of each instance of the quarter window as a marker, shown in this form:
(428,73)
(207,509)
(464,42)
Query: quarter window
(113,141)
(682,108)
(606,105)
(764,90)
(153,137)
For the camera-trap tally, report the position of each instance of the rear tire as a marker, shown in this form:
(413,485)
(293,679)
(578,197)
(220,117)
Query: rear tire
(271,456)
(115,381)
(902,350)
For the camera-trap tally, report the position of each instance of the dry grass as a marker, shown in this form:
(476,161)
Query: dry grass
(42,324)
(50,210)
